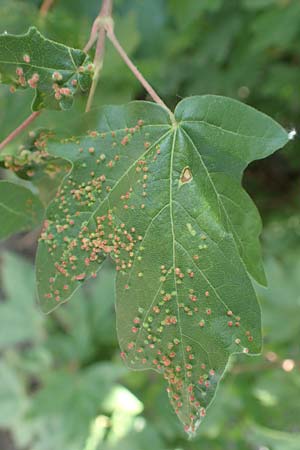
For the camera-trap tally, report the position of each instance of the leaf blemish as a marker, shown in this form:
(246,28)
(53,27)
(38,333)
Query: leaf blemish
(186,176)
(191,229)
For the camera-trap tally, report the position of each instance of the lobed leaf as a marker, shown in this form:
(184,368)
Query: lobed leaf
(20,209)
(54,71)
(20,321)
(164,201)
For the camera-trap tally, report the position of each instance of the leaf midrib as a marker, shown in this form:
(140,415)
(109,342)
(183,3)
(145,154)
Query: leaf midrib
(174,257)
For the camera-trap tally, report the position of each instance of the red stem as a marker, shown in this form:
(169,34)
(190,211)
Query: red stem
(44,9)
(112,37)
(98,33)
(105,11)
(20,128)
(106,8)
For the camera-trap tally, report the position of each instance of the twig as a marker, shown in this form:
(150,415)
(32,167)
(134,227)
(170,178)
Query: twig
(93,36)
(44,9)
(98,64)
(98,33)
(98,67)
(19,130)
(105,11)
(112,37)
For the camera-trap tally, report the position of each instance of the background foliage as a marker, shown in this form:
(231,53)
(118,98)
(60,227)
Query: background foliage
(62,383)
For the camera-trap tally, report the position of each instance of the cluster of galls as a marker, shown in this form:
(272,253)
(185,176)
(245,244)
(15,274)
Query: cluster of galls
(21,80)
(32,157)
(78,246)
(62,86)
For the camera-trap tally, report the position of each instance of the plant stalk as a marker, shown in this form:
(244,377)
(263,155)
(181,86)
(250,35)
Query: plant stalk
(138,75)
(46,5)
(98,33)
(19,130)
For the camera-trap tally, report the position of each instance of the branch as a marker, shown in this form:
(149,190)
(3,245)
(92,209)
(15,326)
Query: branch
(46,5)
(20,128)
(98,64)
(98,33)
(106,9)
(112,37)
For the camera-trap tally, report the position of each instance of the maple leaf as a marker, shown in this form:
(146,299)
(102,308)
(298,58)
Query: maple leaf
(164,200)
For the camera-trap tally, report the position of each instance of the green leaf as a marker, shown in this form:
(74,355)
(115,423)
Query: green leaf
(274,388)
(164,200)
(189,11)
(283,283)
(277,440)
(282,25)
(19,319)
(259,4)
(73,400)
(55,72)
(20,209)
(12,396)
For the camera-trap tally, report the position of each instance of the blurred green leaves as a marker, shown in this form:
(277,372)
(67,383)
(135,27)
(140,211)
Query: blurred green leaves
(20,320)
(282,25)
(12,396)
(20,209)
(186,12)
(55,370)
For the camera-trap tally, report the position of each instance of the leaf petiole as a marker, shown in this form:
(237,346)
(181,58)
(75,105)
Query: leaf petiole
(138,75)
(19,129)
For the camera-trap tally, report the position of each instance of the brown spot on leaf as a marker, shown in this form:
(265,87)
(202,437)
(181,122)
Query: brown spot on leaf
(186,176)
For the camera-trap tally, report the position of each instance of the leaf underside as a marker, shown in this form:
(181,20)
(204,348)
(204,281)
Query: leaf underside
(54,71)
(165,202)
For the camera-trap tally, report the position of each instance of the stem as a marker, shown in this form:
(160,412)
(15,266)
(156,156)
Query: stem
(98,63)
(98,33)
(93,36)
(112,37)
(20,128)
(106,8)
(44,9)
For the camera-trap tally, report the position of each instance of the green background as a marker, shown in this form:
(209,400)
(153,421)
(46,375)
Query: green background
(62,382)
